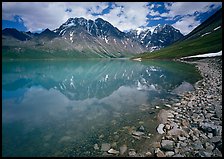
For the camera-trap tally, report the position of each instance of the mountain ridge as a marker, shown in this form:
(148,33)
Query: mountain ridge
(98,38)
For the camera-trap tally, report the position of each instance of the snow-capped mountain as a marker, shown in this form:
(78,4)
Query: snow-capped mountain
(87,38)
(161,36)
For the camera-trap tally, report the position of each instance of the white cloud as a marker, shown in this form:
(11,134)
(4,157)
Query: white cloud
(187,11)
(186,24)
(123,15)
(189,8)
(131,15)
(156,18)
(37,16)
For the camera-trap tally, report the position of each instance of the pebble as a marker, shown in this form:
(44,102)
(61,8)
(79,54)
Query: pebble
(123,149)
(112,151)
(159,153)
(96,147)
(105,147)
(167,144)
(160,129)
(137,133)
(148,154)
(131,152)
(181,138)
(169,153)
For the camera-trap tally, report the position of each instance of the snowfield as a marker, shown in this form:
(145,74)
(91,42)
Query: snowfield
(205,55)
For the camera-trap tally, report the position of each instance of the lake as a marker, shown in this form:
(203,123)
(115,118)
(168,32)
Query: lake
(65,107)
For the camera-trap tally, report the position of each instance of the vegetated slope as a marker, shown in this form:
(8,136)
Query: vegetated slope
(205,38)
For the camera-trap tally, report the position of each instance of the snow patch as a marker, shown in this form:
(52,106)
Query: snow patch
(138,59)
(106,78)
(106,40)
(205,34)
(161,41)
(205,55)
(217,28)
(71,36)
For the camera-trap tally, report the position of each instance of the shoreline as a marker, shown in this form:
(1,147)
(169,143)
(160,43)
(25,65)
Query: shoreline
(192,127)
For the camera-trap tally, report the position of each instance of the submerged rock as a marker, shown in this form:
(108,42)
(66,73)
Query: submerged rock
(96,147)
(183,88)
(105,147)
(65,139)
(123,149)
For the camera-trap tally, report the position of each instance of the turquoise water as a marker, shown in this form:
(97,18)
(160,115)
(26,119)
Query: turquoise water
(64,107)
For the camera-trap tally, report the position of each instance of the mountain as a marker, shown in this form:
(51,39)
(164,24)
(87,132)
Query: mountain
(13,33)
(162,36)
(82,38)
(205,38)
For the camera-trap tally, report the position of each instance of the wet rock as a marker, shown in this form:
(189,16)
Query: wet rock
(105,147)
(141,128)
(159,153)
(123,149)
(132,152)
(116,137)
(167,127)
(176,132)
(157,144)
(183,144)
(160,129)
(112,151)
(210,135)
(114,144)
(178,155)
(167,144)
(148,154)
(169,153)
(216,139)
(185,123)
(101,136)
(203,153)
(167,105)
(137,133)
(197,145)
(162,116)
(217,153)
(96,147)
(181,138)
(209,146)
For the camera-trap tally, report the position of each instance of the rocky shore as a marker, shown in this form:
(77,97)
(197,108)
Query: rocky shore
(192,127)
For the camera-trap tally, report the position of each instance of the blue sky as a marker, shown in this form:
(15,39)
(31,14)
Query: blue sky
(37,16)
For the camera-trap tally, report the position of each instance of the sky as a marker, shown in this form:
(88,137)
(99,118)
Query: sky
(37,16)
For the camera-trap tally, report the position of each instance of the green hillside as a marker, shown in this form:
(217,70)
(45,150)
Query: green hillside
(205,38)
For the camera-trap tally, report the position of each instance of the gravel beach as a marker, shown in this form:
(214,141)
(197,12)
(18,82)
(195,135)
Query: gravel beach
(192,127)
